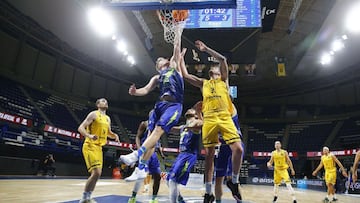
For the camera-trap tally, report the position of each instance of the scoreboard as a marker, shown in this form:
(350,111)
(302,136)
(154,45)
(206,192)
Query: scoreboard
(247,14)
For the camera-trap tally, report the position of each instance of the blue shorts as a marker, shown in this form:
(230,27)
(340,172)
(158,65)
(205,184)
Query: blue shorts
(223,166)
(181,168)
(154,164)
(166,115)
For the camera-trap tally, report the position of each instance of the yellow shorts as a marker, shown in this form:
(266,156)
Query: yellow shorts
(281,174)
(216,123)
(93,156)
(330,177)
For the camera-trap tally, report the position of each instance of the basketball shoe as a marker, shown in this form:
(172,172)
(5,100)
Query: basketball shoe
(130,159)
(137,174)
(208,198)
(234,190)
(132,200)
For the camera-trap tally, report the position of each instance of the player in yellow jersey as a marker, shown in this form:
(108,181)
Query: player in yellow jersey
(355,166)
(329,161)
(95,128)
(217,109)
(281,160)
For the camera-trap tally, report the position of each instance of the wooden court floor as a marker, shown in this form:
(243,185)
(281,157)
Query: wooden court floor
(62,190)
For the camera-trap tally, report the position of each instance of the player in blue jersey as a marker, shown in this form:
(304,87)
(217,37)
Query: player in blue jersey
(185,161)
(153,164)
(168,108)
(222,161)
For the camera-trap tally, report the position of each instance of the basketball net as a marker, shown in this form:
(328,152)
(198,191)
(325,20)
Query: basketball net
(170,25)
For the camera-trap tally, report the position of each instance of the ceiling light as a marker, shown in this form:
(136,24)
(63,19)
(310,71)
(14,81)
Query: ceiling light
(337,45)
(113,37)
(352,23)
(344,37)
(101,21)
(325,59)
(131,60)
(121,46)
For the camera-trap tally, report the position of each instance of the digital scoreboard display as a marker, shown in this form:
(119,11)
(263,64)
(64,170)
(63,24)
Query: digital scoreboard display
(247,14)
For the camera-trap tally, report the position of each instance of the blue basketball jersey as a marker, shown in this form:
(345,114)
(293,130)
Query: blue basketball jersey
(189,141)
(171,84)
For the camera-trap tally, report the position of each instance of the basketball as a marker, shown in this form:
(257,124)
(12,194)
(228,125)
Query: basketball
(180,15)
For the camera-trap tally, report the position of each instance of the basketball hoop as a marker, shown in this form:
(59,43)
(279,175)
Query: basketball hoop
(172,20)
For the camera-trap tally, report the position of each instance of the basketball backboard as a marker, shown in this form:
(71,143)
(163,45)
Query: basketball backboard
(169,4)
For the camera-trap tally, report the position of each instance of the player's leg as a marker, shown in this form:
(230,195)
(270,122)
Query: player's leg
(147,181)
(218,188)
(285,176)
(172,177)
(232,138)
(94,162)
(210,140)
(154,170)
(135,191)
(222,165)
(277,182)
(334,198)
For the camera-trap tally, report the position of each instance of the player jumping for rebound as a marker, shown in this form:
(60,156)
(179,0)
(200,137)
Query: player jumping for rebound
(217,109)
(167,110)
(281,160)
(222,161)
(329,161)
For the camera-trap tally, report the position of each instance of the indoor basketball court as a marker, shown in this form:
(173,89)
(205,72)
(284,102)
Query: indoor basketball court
(283,59)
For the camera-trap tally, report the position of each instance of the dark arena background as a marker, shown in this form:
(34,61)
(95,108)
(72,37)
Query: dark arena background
(294,72)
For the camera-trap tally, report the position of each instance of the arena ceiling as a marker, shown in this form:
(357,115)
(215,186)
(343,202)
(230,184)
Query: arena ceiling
(317,23)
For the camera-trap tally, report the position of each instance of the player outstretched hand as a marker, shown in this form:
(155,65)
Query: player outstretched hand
(314,173)
(116,137)
(200,45)
(292,172)
(132,89)
(354,177)
(344,173)
(269,165)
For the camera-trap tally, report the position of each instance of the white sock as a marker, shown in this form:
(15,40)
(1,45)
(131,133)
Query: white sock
(291,190)
(235,178)
(137,185)
(208,187)
(276,190)
(174,191)
(86,195)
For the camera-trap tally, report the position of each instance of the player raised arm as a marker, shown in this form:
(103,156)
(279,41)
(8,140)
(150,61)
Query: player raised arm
(190,78)
(82,127)
(146,89)
(289,162)
(271,161)
(355,166)
(175,59)
(224,69)
(343,171)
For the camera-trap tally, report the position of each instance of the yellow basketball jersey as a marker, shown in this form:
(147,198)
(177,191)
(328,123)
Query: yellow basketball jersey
(216,97)
(99,127)
(328,162)
(280,159)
